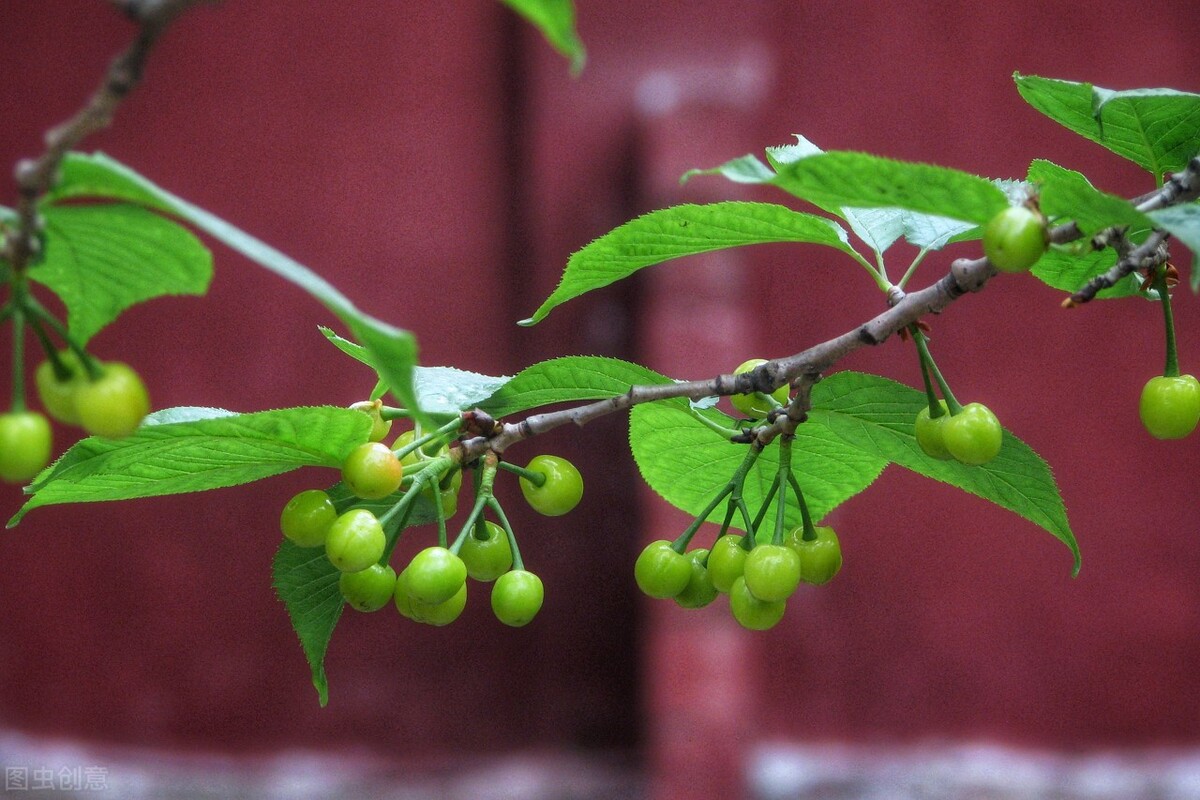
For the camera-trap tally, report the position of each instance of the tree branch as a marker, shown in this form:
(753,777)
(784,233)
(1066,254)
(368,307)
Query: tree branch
(804,369)
(34,177)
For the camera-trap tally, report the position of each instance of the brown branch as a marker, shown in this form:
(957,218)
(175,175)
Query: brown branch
(34,177)
(804,369)
(1183,187)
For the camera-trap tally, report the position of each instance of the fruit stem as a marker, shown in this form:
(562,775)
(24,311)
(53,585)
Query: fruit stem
(785,472)
(533,476)
(394,537)
(38,312)
(18,360)
(935,408)
(1171,368)
(517,562)
(928,363)
(810,532)
(733,490)
(762,510)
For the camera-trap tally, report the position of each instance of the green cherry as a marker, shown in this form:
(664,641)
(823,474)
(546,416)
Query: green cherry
(820,558)
(726,561)
(559,493)
(754,405)
(751,612)
(307,518)
(488,558)
(517,597)
(369,589)
(372,471)
(1170,407)
(435,575)
(930,435)
(1015,239)
(355,541)
(699,591)
(660,571)
(114,404)
(772,572)
(25,445)
(973,436)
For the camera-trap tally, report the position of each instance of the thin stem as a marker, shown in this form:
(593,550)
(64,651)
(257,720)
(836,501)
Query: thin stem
(395,537)
(935,408)
(912,268)
(733,486)
(494,505)
(18,359)
(927,359)
(762,510)
(533,476)
(785,472)
(810,532)
(1171,368)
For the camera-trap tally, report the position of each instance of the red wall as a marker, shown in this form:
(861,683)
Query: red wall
(438,164)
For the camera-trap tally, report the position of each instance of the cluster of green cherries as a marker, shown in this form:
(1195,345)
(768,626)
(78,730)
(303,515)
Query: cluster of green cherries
(104,399)
(432,588)
(758,570)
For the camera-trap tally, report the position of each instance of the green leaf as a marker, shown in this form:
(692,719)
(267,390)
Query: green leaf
(686,462)
(442,390)
(556,20)
(1069,271)
(1183,222)
(1065,194)
(209,450)
(878,228)
(857,180)
(307,583)
(102,259)
(569,379)
(394,350)
(1158,129)
(680,231)
(876,415)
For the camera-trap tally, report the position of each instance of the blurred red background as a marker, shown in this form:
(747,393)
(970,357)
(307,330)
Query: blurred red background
(438,163)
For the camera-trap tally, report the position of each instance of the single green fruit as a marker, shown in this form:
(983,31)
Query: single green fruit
(772,572)
(25,445)
(820,558)
(699,591)
(442,613)
(726,561)
(517,597)
(114,404)
(307,518)
(1170,407)
(372,471)
(380,427)
(1015,239)
(752,613)
(974,435)
(58,397)
(370,589)
(756,406)
(561,491)
(930,436)
(355,541)
(435,575)
(660,571)
(488,558)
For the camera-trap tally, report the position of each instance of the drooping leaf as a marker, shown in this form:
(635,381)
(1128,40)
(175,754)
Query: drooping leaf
(680,231)
(307,582)
(1158,129)
(102,259)
(686,462)
(1066,194)
(211,449)
(97,176)
(876,415)
(556,20)
(569,379)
